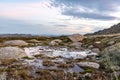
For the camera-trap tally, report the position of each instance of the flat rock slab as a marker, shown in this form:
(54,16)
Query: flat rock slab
(89,64)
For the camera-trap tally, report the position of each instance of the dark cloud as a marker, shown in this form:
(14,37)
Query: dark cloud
(103,7)
(98,4)
(88,15)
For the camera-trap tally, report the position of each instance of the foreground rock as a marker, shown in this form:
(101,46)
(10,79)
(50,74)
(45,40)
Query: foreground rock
(11,53)
(15,43)
(89,64)
(55,42)
(76,37)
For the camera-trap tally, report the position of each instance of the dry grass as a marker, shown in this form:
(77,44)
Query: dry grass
(48,63)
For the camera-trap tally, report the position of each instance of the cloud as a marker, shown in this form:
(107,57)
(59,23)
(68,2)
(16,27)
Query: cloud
(91,9)
(57,16)
(97,16)
(101,5)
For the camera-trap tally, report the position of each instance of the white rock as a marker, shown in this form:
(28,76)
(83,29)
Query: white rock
(76,37)
(11,52)
(55,42)
(89,64)
(15,43)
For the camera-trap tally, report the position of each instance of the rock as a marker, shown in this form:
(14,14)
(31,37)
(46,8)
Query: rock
(111,42)
(55,42)
(11,53)
(98,42)
(15,43)
(76,44)
(76,37)
(96,50)
(89,64)
(90,47)
(3,76)
(117,37)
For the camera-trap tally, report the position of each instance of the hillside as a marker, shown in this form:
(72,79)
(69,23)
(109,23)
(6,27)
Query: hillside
(112,30)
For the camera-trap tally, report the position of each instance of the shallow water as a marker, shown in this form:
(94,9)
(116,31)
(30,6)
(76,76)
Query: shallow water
(51,52)
(63,52)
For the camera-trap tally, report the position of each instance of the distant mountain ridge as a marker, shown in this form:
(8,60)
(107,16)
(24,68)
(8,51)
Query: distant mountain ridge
(16,35)
(112,30)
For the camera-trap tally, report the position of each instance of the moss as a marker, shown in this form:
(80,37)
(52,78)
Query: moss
(8,61)
(88,70)
(48,63)
(64,65)
(43,72)
(26,57)
(23,72)
(2,70)
(55,70)
(39,55)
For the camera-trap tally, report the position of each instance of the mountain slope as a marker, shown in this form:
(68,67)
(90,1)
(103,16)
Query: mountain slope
(112,30)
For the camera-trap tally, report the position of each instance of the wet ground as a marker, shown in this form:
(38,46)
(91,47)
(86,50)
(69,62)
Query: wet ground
(57,56)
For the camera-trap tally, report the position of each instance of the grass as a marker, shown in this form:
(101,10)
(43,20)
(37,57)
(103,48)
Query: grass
(8,61)
(48,63)
(39,55)
(28,58)
(64,65)
(2,70)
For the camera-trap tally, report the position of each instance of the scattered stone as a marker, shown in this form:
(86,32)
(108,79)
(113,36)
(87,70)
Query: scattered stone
(89,64)
(11,52)
(15,43)
(3,76)
(76,44)
(98,42)
(96,50)
(111,42)
(55,42)
(76,37)
(90,47)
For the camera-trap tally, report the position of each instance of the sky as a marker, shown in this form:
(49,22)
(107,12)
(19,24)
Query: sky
(57,17)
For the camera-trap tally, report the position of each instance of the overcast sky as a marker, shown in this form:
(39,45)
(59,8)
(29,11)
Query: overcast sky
(57,17)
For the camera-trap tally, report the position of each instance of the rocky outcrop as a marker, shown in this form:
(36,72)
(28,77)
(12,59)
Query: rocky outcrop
(76,37)
(55,42)
(112,30)
(15,43)
(11,53)
(89,64)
